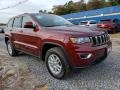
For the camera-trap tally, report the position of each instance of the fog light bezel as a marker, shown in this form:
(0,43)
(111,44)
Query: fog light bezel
(85,55)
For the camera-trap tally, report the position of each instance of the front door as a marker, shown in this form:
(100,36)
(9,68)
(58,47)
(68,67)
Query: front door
(29,37)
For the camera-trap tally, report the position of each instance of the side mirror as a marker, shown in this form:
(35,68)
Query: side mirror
(29,25)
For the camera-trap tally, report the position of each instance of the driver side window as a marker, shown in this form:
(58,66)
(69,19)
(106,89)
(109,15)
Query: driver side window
(26,19)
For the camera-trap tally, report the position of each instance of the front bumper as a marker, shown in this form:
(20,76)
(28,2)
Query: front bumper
(92,54)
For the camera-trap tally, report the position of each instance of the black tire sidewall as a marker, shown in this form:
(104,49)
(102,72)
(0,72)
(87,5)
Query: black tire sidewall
(63,71)
(14,53)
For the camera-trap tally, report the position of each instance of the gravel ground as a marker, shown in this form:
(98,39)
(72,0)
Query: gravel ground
(104,76)
(15,77)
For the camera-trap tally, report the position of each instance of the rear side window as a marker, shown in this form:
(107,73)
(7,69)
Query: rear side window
(10,23)
(17,22)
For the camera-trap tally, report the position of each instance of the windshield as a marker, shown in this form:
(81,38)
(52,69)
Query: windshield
(49,20)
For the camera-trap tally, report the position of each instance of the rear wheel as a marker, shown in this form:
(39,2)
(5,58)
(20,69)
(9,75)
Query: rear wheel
(11,50)
(56,63)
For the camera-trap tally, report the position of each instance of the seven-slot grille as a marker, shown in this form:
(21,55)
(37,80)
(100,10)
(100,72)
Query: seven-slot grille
(100,39)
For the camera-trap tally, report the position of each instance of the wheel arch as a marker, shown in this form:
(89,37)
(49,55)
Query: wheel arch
(46,46)
(6,39)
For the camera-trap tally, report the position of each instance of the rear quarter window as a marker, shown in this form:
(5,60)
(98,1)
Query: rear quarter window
(17,22)
(10,23)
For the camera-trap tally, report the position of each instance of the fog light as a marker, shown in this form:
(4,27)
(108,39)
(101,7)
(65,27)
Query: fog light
(86,56)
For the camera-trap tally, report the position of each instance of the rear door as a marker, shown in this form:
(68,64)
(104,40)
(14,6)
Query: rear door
(16,33)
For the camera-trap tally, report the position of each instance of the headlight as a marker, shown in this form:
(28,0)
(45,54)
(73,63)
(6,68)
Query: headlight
(80,40)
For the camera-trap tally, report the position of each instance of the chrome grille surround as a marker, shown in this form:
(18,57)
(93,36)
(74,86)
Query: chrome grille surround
(100,39)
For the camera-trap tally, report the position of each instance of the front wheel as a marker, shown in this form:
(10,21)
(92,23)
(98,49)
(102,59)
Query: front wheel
(56,63)
(11,50)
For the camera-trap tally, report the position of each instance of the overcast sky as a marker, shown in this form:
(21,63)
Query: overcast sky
(29,6)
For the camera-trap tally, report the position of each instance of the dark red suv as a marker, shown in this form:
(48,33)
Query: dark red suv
(55,40)
(110,25)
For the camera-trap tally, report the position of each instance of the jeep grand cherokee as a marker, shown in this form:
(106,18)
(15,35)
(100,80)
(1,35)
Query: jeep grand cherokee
(58,42)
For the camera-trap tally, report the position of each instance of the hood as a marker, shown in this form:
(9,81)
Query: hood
(76,30)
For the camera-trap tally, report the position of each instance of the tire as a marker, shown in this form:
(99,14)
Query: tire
(11,50)
(117,29)
(113,31)
(60,61)
(1,31)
